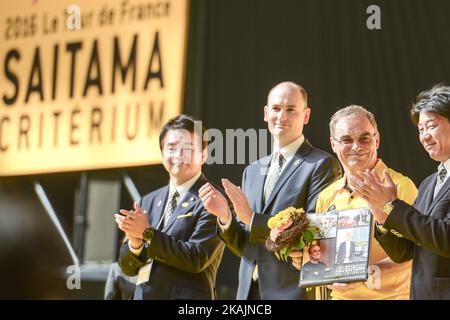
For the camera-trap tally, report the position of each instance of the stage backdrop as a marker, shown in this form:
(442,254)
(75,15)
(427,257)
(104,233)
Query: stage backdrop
(86,86)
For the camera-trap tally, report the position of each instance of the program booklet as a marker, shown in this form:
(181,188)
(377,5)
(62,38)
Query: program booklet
(340,250)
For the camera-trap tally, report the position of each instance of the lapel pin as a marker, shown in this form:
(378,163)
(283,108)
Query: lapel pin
(159,203)
(185,204)
(297,162)
(192,198)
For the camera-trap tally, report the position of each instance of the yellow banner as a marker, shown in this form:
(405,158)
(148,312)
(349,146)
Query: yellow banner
(88,84)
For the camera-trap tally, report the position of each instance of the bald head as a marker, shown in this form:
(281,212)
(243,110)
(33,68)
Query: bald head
(290,85)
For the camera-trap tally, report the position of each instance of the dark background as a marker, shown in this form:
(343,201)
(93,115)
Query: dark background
(237,51)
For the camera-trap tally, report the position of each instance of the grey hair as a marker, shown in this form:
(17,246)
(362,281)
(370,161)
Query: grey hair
(349,111)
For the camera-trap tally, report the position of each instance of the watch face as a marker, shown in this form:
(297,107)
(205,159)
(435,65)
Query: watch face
(148,234)
(388,207)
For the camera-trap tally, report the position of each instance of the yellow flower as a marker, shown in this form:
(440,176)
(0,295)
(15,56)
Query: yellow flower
(288,230)
(284,218)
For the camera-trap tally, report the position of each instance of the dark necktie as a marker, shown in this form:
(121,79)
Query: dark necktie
(171,205)
(442,173)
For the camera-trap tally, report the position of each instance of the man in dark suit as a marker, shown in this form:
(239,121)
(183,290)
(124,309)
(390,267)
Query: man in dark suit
(174,250)
(420,232)
(346,252)
(293,175)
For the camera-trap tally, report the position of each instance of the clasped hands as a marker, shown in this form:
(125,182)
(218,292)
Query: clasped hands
(133,223)
(216,203)
(368,185)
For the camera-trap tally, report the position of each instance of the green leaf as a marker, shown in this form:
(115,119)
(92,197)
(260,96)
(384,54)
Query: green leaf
(284,254)
(277,254)
(308,236)
(300,244)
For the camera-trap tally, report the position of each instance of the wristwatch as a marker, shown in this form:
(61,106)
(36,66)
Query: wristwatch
(388,207)
(147,235)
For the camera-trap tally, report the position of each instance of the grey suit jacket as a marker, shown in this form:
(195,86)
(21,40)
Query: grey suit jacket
(186,253)
(305,175)
(422,232)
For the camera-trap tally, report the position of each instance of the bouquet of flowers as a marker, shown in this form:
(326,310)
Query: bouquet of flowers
(289,229)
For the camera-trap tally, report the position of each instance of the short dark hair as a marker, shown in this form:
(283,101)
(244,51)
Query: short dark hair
(436,100)
(182,121)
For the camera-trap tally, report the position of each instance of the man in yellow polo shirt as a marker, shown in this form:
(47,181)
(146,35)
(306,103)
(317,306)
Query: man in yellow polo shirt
(355,140)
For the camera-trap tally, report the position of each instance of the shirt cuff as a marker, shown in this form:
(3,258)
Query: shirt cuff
(382,231)
(224,227)
(250,225)
(136,252)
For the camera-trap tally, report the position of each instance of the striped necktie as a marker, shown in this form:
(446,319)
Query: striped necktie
(171,205)
(273,174)
(441,177)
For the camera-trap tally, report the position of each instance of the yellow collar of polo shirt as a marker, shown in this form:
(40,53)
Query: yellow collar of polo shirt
(379,167)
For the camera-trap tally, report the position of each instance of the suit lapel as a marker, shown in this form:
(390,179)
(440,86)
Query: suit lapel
(428,196)
(444,189)
(291,167)
(186,204)
(183,207)
(260,179)
(161,199)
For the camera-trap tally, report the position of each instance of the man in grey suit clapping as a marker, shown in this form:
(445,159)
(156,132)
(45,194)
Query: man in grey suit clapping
(293,175)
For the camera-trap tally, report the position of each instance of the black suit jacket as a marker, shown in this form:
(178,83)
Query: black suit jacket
(186,253)
(422,233)
(313,271)
(341,252)
(305,175)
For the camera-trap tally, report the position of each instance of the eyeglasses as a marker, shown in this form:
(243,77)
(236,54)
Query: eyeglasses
(364,140)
